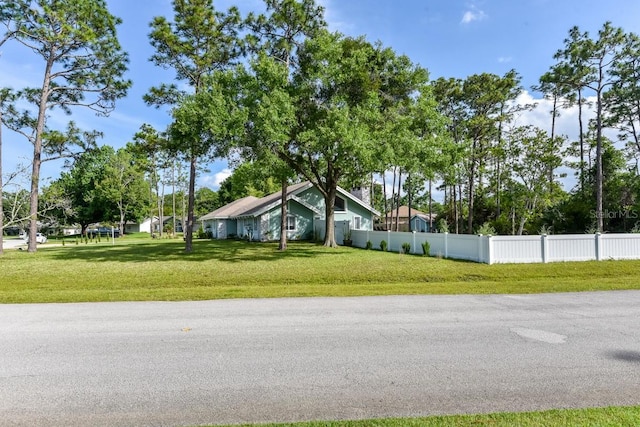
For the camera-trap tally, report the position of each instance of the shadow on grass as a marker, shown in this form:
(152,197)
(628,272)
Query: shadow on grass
(231,251)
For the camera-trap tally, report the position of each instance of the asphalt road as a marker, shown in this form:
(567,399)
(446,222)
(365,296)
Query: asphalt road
(324,358)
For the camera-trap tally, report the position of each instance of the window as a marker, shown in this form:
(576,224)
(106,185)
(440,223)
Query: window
(291,223)
(340,205)
(357,222)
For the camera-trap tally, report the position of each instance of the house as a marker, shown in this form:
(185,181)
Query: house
(420,221)
(259,218)
(167,224)
(142,227)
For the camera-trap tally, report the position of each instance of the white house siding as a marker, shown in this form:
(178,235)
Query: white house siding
(264,227)
(220,229)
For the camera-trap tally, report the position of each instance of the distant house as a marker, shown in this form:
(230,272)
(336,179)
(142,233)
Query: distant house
(420,221)
(142,227)
(167,223)
(259,218)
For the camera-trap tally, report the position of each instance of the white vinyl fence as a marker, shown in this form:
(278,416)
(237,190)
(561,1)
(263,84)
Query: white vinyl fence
(508,249)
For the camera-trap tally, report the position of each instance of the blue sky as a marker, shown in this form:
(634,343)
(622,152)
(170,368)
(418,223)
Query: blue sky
(450,38)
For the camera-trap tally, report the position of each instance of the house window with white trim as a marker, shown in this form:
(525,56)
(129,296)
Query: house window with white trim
(357,222)
(291,223)
(340,205)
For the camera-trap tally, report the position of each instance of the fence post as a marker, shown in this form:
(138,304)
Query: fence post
(598,243)
(388,240)
(446,244)
(413,245)
(545,248)
(490,249)
(480,248)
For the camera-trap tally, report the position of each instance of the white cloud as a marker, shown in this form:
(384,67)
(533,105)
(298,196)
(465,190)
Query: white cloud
(473,14)
(504,59)
(214,181)
(566,123)
(333,19)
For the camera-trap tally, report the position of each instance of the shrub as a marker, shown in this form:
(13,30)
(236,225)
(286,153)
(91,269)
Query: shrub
(383,246)
(486,229)
(202,234)
(406,247)
(369,245)
(545,229)
(426,248)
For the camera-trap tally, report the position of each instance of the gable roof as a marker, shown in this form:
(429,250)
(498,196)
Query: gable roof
(233,209)
(403,212)
(252,206)
(272,200)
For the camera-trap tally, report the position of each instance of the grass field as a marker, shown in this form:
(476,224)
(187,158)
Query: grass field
(137,269)
(601,417)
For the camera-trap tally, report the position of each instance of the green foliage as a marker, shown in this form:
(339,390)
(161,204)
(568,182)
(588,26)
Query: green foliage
(206,201)
(204,234)
(84,186)
(486,229)
(426,248)
(443,225)
(406,247)
(383,245)
(545,230)
(369,245)
(199,45)
(247,179)
(82,66)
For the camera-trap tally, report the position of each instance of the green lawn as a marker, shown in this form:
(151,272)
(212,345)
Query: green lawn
(136,269)
(601,417)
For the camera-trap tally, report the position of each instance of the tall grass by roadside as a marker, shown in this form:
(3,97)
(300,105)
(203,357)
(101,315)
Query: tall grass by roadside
(158,269)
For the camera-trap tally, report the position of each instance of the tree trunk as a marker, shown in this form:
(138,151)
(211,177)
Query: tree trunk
(282,246)
(122,216)
(454,199)
(1,204)
(173,195)
(581,136)
(599,174)
(470,202)
(553,135)
(393,197)
(37,158)
(329,202)
(188,238)
(160,208)
(409,203)
(384,197)
(459,228)
(523,220)
(471,189)
(398,199)
(431,206)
